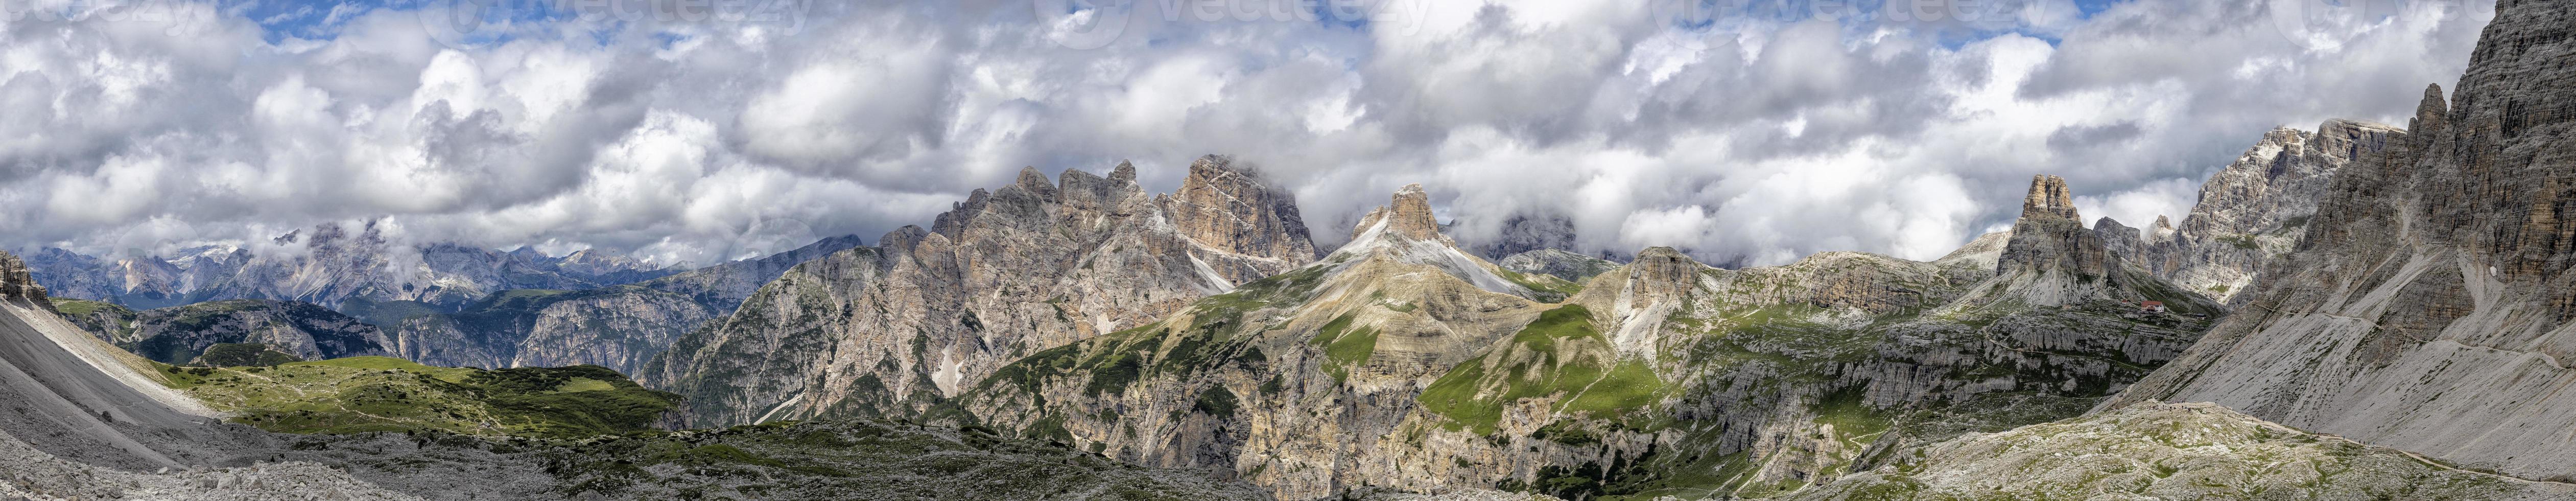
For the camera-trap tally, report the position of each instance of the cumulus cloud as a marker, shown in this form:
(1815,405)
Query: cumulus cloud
(1747,133)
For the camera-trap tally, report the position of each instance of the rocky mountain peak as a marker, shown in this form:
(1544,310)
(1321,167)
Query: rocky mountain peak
(2430,116)
(2060,258)
(1124,173)
(1234,209)
(2122,239)
(2049,199)
(1664,271)
(1036,183)
(1408,213)
(17,282)
(953,222)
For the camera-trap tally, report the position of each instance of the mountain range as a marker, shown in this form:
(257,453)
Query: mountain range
(2355,312)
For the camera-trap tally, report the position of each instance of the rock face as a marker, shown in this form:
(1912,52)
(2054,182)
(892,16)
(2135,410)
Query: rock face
(1570,266)
(895,329)
(2159,451)
(1235,211)
(1400,363)
(2050,237)
(179,334)
(2429,303)
(17,282)
(330,266)
(2256,208)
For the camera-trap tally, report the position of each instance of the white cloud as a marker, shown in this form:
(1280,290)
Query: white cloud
(1746,140)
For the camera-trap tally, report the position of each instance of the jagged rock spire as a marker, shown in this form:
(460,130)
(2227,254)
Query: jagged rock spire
(2068,260)
(1408,214)
(2049,199)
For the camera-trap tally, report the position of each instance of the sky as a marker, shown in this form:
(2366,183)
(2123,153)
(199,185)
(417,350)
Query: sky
(1746,132)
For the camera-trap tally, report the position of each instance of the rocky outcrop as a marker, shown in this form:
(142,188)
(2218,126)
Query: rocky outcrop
(895,329)
(2256,208)
(2050,237)
(1571,267)
(1408,215)
(179,334)
(2051,259)
(2159,451)
(2427,307)
(17,283)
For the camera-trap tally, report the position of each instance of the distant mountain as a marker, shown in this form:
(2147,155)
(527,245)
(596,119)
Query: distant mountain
(179,334)
(619,327)
(723,287)
(330,266)
(2171,451)
(894,329)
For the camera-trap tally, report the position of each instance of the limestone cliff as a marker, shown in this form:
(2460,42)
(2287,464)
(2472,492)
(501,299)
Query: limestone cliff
(894,329)
(2428,306)
(1401,364)
(17,282)
(2256,208)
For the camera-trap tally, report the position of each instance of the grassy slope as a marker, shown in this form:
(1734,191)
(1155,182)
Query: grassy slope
(1560,355)
(377,394)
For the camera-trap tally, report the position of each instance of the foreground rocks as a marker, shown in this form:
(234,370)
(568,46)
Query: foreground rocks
(2159,451)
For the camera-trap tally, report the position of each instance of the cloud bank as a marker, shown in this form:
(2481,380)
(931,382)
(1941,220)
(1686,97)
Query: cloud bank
(1745,132)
